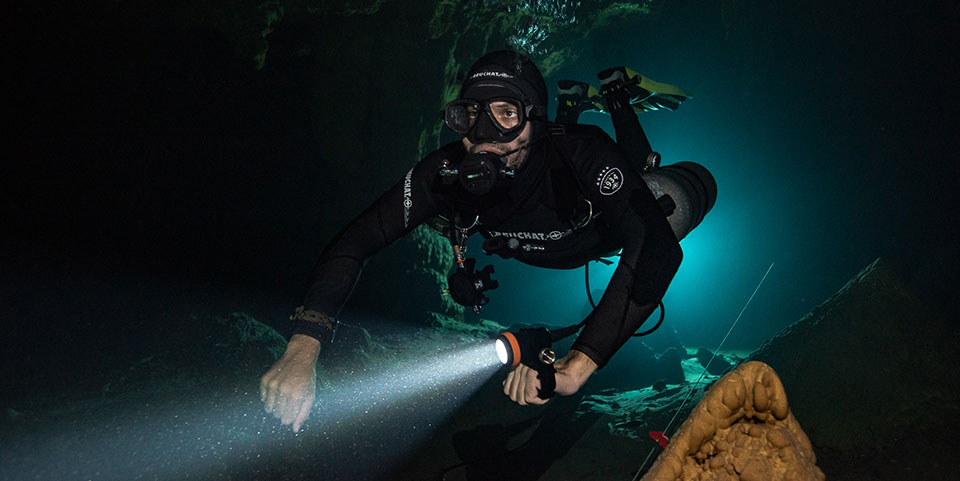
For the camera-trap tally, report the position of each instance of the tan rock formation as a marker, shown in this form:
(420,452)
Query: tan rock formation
(742,430)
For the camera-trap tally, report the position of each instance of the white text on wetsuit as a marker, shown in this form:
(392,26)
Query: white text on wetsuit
(407,198)
(539,236)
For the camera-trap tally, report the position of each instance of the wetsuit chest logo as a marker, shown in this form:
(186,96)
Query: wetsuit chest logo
(610,180)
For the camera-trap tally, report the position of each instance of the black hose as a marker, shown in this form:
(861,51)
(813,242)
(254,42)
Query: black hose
(586,270)
(654,328)
(586,273)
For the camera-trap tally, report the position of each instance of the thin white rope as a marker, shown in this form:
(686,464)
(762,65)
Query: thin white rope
(694,389)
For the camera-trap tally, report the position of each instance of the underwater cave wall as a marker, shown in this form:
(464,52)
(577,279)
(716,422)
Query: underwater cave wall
(870,367)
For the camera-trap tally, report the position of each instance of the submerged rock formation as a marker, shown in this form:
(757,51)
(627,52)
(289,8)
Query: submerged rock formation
(877,365)
(871,377)
(742,430)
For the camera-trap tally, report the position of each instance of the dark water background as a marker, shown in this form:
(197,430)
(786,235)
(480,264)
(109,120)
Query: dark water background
(832,141)
(153,175)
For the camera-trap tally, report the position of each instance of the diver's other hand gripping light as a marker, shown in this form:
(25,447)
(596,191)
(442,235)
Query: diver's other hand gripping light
(532,348)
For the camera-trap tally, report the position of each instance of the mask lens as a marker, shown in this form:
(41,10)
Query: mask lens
(460,115)
(505,113)
(491,120)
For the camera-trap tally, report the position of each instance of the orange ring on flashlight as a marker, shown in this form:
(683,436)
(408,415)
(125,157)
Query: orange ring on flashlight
(514,346)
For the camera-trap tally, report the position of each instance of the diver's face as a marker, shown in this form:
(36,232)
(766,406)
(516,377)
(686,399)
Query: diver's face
(519,146)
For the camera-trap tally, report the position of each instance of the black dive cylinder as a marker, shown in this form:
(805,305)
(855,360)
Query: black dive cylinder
(689,187)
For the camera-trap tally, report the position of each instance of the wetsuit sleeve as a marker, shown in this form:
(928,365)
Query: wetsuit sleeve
(402,208)
(650,258)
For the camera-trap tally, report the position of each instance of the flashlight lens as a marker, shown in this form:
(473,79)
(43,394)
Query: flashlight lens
(502,352)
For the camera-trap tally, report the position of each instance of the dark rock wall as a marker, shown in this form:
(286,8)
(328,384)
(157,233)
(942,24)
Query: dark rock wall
(174,138)
(870,367)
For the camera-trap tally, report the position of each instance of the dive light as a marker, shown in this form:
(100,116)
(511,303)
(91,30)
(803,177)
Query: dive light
(531,347)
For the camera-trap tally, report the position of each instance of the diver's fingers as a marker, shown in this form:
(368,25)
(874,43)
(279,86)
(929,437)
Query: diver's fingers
(303,414)
(271,400)
(520,386)
(281,405)
(512,383)
(295,402)
(532,385)
(264,383)
(535,400)
(529,375)
(290,409)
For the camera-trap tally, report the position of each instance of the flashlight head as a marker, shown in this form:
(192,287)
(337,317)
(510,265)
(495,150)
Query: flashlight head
(502,352)
(508,349)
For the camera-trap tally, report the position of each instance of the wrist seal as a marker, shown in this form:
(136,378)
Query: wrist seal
(314,324)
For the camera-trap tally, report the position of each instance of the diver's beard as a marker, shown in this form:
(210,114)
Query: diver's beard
(515,160)
(512,158)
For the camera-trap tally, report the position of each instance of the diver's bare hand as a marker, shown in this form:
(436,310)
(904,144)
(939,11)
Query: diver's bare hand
(572,373)
(522,385)
(290,386)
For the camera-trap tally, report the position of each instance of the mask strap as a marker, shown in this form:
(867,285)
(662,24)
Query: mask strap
(535,112)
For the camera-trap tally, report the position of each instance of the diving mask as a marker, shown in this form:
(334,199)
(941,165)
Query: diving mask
(498,119)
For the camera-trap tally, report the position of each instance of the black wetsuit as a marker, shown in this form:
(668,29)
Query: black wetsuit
(544,202)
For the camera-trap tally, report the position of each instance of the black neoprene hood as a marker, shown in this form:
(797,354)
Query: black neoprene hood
(512,72)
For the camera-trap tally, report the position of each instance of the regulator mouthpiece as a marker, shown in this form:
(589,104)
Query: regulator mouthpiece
(480,172)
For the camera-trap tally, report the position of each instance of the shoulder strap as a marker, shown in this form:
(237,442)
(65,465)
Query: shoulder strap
(563,176)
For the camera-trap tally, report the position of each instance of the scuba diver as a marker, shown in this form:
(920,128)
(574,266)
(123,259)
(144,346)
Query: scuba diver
(554,195)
